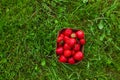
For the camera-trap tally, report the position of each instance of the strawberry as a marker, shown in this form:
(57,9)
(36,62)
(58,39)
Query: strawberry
(60,38)
(71,60)
(78,56)
(66,39)
(62,59)
(80,34)
(68,32)
(67,53)
(77,47)
(71,42)
(66,47)
(59,50)
(82,41)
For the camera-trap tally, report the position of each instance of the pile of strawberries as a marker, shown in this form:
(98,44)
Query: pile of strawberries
(69,46)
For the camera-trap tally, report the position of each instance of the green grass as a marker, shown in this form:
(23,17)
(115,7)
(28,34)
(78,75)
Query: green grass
(28,31)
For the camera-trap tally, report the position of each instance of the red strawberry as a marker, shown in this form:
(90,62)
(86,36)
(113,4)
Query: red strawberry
(61,35)
(62,59)
(71,42)
(80,34)
(82,41)
(68,32)
(67,53)
(66,39)
(77,47)
(60,38)
(71,60)
(78,56)
(66,47)
(59,50)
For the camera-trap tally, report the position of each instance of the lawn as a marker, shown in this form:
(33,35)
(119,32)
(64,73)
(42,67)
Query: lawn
(28,31)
